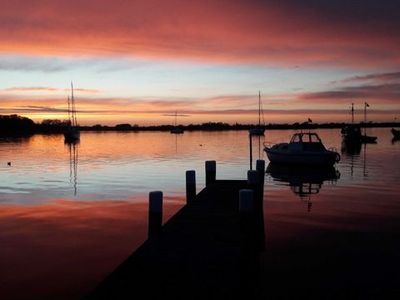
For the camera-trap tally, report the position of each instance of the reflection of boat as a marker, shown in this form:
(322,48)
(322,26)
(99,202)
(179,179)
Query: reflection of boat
(259,130)
(72,133)
(396,133)
(350,148)
(176,129)
(73,163)
(303,181)
(303,149)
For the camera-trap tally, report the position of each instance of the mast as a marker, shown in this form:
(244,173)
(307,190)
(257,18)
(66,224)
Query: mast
(69,111)
(365,118)
(176,116)
(352,113)
(73,109)
(259,109)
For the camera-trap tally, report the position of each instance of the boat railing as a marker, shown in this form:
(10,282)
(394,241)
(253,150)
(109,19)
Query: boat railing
(267,144)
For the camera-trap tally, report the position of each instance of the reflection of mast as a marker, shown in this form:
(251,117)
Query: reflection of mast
(73,165)
(365,161)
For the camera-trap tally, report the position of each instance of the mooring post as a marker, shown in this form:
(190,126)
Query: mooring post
(246,200)
(260,168)
(155,213)
(190,185)
(211,169)
(253,179)
(255,182)
(248,240)
(251,151)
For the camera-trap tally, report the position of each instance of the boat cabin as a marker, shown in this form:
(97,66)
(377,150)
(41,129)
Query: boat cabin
(306,142)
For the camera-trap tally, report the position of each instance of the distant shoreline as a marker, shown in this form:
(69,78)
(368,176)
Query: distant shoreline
(14,125)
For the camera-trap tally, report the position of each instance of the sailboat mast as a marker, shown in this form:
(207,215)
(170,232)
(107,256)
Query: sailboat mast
(69,110)
(259,108)
(73,110)
(352,113)
(365,118)
(176,116)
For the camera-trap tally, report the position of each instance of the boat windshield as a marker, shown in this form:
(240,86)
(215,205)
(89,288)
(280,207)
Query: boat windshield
(310,141)
(305,138)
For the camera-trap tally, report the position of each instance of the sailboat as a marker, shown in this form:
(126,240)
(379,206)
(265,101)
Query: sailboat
(367,138)
(72,134)
(352,133)
(259,129)
(176,129)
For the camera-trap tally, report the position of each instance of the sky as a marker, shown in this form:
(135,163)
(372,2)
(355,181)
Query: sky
(141,61)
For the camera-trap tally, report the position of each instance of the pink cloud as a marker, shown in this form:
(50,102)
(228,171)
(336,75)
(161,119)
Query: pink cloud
(291,32)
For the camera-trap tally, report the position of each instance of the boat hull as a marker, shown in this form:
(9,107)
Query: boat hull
(327,158)
(257,131)
(177,131)
(72,135)
(396,133)
(367,139)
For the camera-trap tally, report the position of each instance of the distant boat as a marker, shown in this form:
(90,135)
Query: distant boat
(352,133)
(259,130)
(396,133)
(176,129)
(303,149)
(72,134)
(366,139)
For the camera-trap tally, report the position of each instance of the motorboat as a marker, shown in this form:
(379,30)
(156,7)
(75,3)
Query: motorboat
(305,148)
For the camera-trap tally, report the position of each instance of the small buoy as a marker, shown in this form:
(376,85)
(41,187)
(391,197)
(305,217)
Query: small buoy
(9,163)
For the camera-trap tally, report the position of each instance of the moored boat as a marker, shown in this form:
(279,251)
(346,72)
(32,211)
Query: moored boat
(259,129)
(72,133)
(396,133)
(303,149)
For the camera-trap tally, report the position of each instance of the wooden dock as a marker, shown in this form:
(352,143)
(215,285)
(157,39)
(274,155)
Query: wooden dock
(208,250)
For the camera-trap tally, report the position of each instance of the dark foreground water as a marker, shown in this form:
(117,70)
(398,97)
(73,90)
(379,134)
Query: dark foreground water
(70,214)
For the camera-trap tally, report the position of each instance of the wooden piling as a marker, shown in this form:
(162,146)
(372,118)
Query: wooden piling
(245,201)
(155,213)
(190,185)
(260,168)
(211,169)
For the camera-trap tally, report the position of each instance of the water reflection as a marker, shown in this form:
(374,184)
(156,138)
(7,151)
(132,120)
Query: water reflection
(350,147)
(73,163)
(304,182)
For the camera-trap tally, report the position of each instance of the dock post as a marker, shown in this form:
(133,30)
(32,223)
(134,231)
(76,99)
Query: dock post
(260,168)
(254,182)
(248,240)
(251,151)
(211,169)
(246,200)
(253,179)
(190,185)
(155,213)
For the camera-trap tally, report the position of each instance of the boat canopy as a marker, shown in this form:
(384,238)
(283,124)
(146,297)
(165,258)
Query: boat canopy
(306,137)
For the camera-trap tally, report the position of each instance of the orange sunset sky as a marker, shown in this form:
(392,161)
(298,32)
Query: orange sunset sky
(139,61)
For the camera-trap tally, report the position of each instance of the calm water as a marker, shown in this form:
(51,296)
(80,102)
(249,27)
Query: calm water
(70,214)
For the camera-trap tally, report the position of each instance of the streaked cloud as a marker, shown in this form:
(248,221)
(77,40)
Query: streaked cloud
(48,89)
(393,76)
(382,93)
(290,33)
